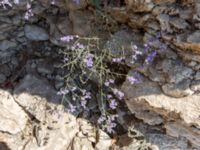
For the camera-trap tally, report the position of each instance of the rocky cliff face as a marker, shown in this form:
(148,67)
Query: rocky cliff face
(167,98)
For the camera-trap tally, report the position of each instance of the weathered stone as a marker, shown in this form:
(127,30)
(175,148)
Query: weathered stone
(197,76)
(187,56)
(195,86)
(119,14)
(45,67)
(2,78)
(64,25)
(34,92)
(138,20)
(165,142)
(161,2)
(139,5)
(181,130)
(179,23)
(81,21)
(178,90)
(175,75)
(76,4)
(104,142)
(164,22)
(13,118)
(149,95)
(35,33)
(5,44)
(189,43)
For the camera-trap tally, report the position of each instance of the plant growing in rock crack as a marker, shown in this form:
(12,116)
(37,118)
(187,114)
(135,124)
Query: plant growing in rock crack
(90,64)
(84,62)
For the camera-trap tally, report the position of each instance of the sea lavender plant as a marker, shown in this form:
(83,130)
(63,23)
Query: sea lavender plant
(91,61)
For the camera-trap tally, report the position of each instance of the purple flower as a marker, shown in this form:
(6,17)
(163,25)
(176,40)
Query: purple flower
(89,60)
(110,81)
(83,103)
(67,38)
(132,80)
(101,119)
(150,57)
(110,126)
(107,83)
(65,60)
(109,96)
(72,108)
(63,91)
(118,59)
(113,104)
(80,46)
(118,93)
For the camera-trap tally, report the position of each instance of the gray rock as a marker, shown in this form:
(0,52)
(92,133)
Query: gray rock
(179,23)
(197,75)
(45,67)
(5,44)
(165,142)
(178,90)
(13,118)
(64,25)
(4,69)
(35,33)
(194,37)
(164,22)
(178,73)
(177,129)
(2,78)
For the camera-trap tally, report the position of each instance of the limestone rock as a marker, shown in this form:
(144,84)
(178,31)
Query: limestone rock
(178,90)
(33,93)
(149,95)
(13,118)
(35,33)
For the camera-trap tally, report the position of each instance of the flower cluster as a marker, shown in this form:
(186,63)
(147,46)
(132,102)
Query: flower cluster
(108,122)
(118,93)
(88,60)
